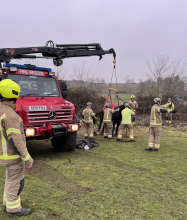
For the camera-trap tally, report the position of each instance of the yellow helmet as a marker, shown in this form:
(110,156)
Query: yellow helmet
(9,90)
(132,97)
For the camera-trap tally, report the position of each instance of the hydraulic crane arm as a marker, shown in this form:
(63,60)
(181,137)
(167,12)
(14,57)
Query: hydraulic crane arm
(57,53)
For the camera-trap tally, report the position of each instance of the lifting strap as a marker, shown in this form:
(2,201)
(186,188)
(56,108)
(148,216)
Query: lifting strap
(114,104)
(112,89)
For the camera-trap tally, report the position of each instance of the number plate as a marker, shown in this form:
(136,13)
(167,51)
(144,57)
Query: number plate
(37,108)
(56,126)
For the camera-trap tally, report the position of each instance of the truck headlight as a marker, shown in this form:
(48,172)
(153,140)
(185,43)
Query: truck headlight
(30,132)
(75,127)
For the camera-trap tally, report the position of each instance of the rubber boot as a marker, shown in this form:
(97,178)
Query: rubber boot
(156,149)
(149,149)
(105,137)
(132,140)
(118,140)
(22,212)
(111,138)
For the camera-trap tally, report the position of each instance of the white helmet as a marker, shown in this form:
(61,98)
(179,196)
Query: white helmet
(156,100)
(107,105)
(126,105)
(89,104)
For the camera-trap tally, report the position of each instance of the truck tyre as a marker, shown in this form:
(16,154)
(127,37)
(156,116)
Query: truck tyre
(65,143)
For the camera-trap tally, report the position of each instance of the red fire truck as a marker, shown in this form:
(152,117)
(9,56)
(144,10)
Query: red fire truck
(42,105)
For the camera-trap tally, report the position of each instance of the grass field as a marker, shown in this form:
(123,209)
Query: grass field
(112,181)
(125,97)
(131,88)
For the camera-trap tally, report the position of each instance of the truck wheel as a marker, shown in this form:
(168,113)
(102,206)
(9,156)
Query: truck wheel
(65,143)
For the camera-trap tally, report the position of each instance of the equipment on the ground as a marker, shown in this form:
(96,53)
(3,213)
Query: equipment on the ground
(90,143)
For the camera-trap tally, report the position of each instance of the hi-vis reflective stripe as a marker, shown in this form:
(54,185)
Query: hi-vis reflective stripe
(107,114)
(90,115)
(20,120)
(2,116)
(9,157)
(4,145)
(154,114)
(4,198)
(13,205)
(26,158)
(157,146)
(13,130)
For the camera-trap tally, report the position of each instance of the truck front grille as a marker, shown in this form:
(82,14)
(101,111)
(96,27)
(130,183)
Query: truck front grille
(44,116)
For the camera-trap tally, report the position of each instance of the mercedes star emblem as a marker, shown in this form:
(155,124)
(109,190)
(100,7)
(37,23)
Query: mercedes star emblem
(52,115)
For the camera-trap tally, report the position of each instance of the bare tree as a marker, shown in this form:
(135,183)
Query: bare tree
(163,72)
(82,73)
(60,72)
(158,67)
(83,76)
(128,83)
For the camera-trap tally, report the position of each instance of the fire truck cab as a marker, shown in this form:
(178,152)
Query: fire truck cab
(45,112)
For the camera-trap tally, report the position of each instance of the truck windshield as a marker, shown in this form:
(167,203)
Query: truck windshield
(36,85)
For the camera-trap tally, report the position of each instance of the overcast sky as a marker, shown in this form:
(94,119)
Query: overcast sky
(136,29)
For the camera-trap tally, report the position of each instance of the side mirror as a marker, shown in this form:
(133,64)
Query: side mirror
(63,85)
(64,94)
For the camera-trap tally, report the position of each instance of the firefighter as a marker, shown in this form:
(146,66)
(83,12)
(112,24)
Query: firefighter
(169,115)
(155,129)
(126,122)
(107,120)
(13,150)
(134,105)
(88,115)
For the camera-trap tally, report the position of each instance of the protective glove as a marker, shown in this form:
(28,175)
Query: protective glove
(170,106)
(173,112)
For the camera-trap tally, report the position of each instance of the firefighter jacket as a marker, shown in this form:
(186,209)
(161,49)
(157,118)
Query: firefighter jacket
(108,114)
(156,116)
(12,139)
(87,114)
(133,104)
(126,116)
(172,106)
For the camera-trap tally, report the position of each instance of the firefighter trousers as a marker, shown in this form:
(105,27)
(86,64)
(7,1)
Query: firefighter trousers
(88,129)
(108,129)
(168,118)
(130,129)
(155,134)
(14,183)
